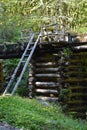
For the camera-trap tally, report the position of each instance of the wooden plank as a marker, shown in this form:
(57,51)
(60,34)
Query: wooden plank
(46,91)
(47,84)
(47,65)
(78,87)
(75,80)
(50,99)
(47,70)
(48,75)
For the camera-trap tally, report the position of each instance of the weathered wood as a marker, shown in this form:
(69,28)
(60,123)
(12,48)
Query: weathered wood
(80,102)
(78,87)
(64,44)
(48,64)
(80,76)
(75,80)
(46,91)
(51,93)
(76,61)
(46,69)
(16,50)
(50,99)
(78,54)
(8,51)
(47,59)
(78,94)
(48,75)
(71,67)
(49,85)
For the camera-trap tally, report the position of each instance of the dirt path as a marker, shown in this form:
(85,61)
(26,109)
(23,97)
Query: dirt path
(4,126)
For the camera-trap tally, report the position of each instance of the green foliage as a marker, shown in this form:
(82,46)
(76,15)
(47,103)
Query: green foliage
(64,96)
(16,15)
(9,33)
(9,66)
(23,86)
(67,52)
(32,115)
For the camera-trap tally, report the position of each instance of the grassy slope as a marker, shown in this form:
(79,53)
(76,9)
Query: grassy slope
(31,115)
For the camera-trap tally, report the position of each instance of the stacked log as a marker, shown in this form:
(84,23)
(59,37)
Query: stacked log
(1,76)
(45,75)
(55,76)
(32,79)
(76,80)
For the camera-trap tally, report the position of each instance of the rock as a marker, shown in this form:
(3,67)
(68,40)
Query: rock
(5,126)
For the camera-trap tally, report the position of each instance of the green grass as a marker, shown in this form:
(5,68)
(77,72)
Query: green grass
(32,115)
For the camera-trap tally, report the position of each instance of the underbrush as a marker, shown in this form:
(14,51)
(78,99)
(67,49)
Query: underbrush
(32,115)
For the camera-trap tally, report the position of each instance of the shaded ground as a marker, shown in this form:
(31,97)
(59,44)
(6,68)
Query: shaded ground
(5,126)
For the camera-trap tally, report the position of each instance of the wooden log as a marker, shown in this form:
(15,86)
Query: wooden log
(70,80)
(32,71)
(78,94)
(51,59)
(32,80)
(78,54)
(45,61)
(64,44)
(50,99)
(81,47)
(12,50)
(48,79)
(48,84)
(31,94)
(72,67)
(79,76)
(79,50)
(48,93)
(78,87)
(48,64)
(19,48)
(47,57)
(50,70)
(76,61)
(79,102)
(47,50)
(76,72)
(48,75)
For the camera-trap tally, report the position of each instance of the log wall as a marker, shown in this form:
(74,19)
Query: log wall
(45,76)
(55,76)
(76,83)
